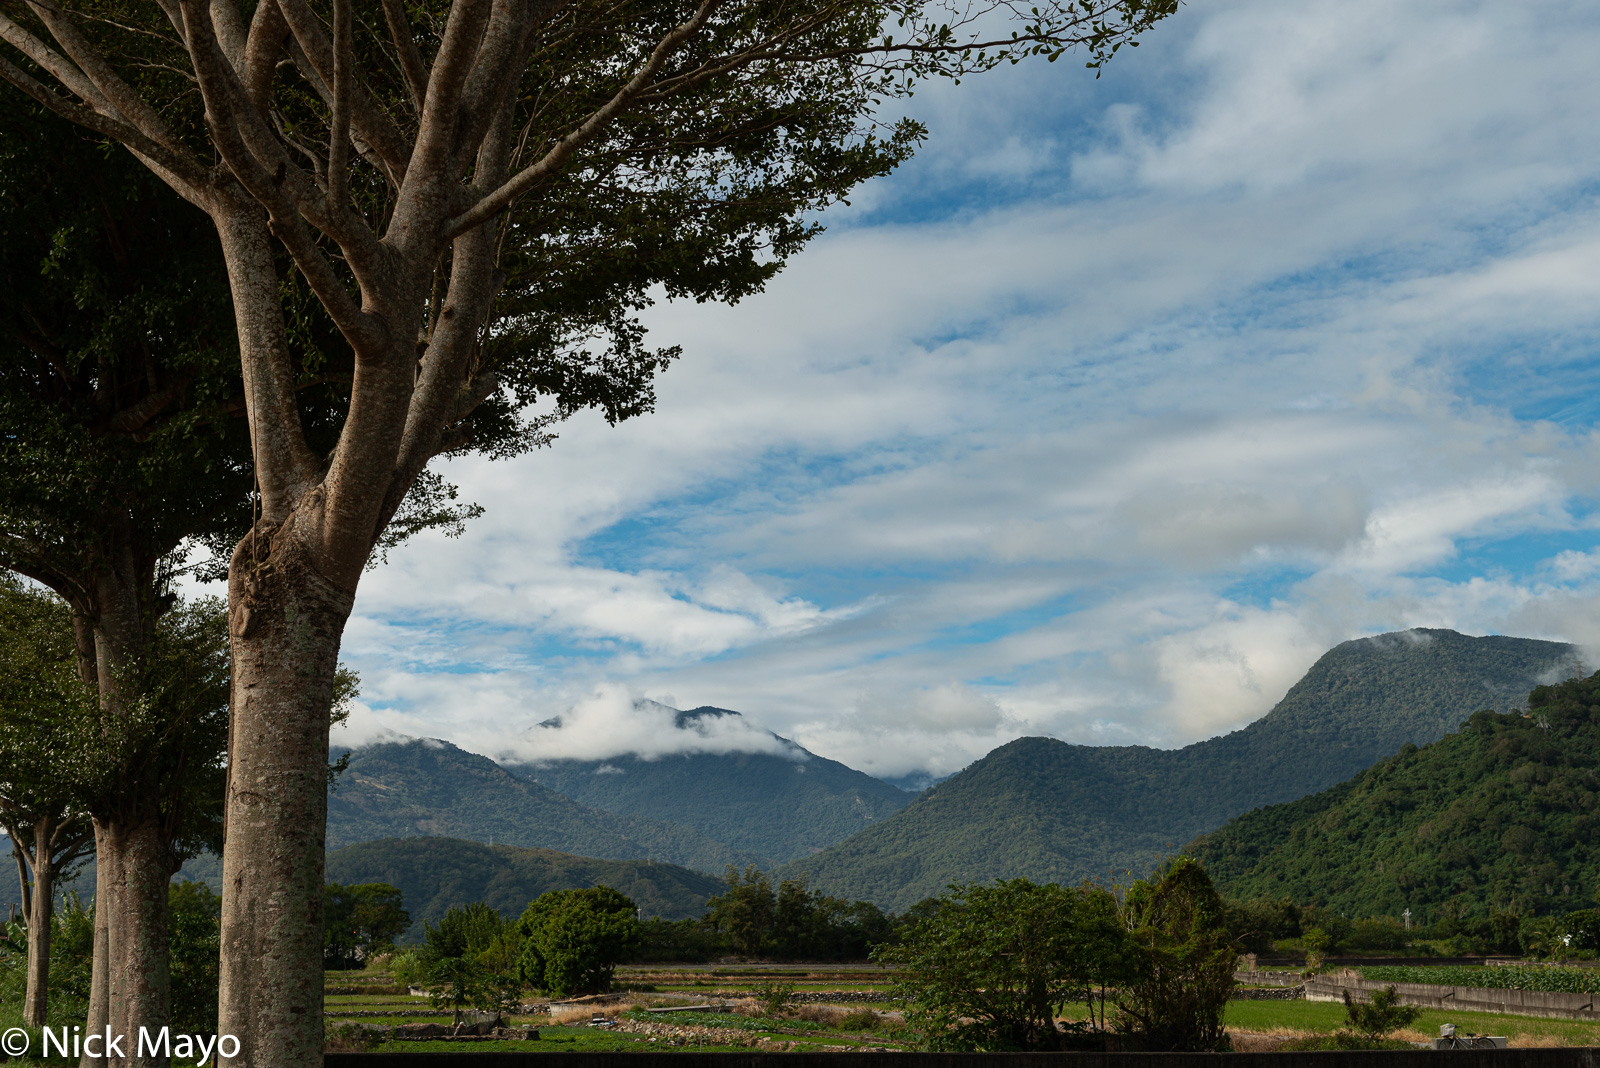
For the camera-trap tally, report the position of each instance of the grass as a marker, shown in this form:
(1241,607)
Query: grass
(1325,1017)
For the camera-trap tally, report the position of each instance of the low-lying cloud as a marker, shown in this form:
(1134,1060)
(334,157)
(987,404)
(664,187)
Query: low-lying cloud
(615,722)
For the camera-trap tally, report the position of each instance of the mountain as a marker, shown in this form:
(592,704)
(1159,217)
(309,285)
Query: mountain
(781,805)
(1505,812)
(401,789)
(1044,809)
(433,874)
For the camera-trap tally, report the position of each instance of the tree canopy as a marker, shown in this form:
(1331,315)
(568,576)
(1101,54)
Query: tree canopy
(573,940)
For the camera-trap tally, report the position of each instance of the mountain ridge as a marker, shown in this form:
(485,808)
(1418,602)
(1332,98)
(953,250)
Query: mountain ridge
(434,788)
(778,805)
(1046,809)
(1501,813)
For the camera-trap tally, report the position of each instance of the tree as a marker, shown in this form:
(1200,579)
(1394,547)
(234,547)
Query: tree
(481,196)
(1582,928)
(42,704)
(988,967)
(573,940)
(360,921)
(116,369)
(471,959)
(744,914)
(122,442)
(195,950)
(1186,961)
(59,754)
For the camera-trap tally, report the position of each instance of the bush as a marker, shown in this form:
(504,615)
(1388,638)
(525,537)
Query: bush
(1377,935)
(1185,965)
(985,967)
(1379,1016)
(196,956)
(573,940)
(774,997)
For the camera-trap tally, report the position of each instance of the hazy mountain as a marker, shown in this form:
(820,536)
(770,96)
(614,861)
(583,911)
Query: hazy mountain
(781,805)
(434,874)
(1045,809)
(1505,812)
(403,789)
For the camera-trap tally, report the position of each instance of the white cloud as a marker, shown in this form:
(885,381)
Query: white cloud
(613,722)
(1102,420)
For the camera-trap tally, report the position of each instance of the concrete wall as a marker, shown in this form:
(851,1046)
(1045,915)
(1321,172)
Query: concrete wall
(1331,987)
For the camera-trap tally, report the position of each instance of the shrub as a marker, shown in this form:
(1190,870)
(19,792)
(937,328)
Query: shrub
(774,997)
(1381,1015)
(573,940)
(1185,963)
(860,1020)
(985,967)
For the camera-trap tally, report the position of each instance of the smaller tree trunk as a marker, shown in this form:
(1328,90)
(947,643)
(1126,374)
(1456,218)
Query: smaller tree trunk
(36,1001)
(105,892)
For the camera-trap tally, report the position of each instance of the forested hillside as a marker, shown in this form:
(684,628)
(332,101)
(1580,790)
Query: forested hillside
(433,874)
(1044,809)
(780,806)
(400,789)
(1505,813)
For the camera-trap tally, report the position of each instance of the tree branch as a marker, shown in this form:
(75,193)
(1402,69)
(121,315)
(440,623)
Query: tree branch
(367,116)
(181,170)
(134,108)
(261,52)
(491,205)
(416,75)
(437,135)
(339,121)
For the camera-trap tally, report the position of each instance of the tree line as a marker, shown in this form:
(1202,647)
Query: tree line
(981,967)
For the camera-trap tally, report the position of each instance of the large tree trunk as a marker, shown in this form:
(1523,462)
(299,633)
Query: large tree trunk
(286,620)
(138,964)
(36,1001)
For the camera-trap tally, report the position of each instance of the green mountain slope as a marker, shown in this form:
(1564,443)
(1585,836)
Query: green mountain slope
(1505,812)
(401,789)
(434,874)
(1044,809)
(781,806)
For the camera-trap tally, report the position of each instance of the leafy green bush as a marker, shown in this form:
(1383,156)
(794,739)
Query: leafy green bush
(985,967)
(195,943)
(774,996)
(860,1020)
(1534,977)
(573,940)
(1185,962)
(1374,1019)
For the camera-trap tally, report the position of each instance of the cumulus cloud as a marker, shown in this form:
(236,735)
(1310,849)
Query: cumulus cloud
(1102,419)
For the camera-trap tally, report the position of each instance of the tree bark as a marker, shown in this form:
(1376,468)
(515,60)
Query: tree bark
(138,964)
(286,627)
(36,1000)
(106,861)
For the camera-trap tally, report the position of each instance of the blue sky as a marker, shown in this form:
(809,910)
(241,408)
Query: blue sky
(1102,418)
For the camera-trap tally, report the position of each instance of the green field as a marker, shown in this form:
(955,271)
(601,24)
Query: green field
(1323,1017)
